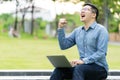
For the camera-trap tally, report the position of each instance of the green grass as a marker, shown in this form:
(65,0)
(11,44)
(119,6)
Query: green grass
(31,53)
(113,56)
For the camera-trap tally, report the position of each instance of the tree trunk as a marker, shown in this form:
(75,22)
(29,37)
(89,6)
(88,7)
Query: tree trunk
(23,20)
(32,21)
(16,19)
(106,14)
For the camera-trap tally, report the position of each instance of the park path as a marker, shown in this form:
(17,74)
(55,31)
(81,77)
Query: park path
(114,43)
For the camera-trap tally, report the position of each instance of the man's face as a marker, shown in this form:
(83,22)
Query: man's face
(87,14)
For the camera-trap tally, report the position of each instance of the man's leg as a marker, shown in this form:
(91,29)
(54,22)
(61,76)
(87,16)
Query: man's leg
(96,73)
(62,73)
(88,72)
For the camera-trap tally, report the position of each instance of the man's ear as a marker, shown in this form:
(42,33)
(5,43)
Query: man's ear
(94,15)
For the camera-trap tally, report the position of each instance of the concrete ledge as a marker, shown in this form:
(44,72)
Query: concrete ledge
(113,78)
(42,74)
(24,77)
(114,72)
(25,72)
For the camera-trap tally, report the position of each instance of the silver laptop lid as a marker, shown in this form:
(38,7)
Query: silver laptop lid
(59,61)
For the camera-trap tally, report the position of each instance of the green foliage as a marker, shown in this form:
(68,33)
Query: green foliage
(1,25)
(42,24)
(114,7)
(113,25)
(7,20)
(40,31)
(73,19)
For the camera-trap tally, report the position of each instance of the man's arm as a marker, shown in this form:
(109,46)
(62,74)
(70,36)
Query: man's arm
(65,42)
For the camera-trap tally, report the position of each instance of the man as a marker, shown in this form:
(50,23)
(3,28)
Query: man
(92,42)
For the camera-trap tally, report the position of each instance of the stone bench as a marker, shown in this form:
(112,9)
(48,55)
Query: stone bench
(41,74)
(114,75)
(25,74)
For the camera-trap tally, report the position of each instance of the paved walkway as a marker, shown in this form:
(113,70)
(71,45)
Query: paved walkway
(114,43)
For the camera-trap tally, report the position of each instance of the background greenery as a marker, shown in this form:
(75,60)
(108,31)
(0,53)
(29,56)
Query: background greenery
(31,53)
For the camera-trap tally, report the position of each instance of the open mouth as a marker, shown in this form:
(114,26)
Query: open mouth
(82,15)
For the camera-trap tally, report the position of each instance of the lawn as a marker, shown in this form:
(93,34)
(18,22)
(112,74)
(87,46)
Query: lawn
(31,53)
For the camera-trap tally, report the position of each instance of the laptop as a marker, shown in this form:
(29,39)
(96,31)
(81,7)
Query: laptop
(59,61)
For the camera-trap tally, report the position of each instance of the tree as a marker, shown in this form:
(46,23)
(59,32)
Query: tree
(16,18)
(32,22)
(23,12)
(16,12)
(32,14)
(114,19)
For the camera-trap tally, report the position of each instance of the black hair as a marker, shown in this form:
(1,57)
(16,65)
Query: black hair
(94,9)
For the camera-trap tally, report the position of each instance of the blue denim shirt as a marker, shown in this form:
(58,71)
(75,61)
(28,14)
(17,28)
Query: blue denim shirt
(92,43)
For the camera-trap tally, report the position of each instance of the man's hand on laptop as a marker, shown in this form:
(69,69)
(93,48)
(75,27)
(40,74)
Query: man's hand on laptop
(76,62)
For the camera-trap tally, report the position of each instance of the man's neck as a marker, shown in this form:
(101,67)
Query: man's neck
(87,24)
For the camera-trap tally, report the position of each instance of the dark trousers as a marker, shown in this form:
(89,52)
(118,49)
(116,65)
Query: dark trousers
(80,72)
